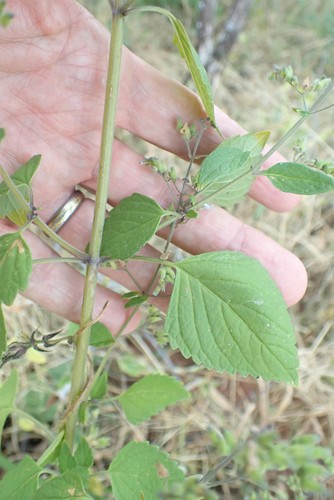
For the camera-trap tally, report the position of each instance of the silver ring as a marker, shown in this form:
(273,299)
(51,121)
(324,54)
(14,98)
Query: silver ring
(66,211)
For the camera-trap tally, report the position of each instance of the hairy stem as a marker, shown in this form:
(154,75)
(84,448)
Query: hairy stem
(79,365)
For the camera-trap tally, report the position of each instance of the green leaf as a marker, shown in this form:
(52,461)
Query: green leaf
(3,332)
(71,484)
(52,452)
(5,19)
(249,143)
(22,179)
(233,158)
(99,389)
(135,301)
(227,170)
(20,481)
(100,336)
(2,134)
(24,174)
(297,178)
(83,454)
(8,391)
(15,266)
(150,395)
(66,459)
(189,54)
(197,70)
(132,365)
(141,471)
(129,226)
(16,213)
(9,206)
(227,314)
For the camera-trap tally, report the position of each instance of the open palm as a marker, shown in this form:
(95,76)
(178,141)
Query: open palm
(53,70)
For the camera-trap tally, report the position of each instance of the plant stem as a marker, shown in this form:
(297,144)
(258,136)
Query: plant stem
(109,122)
(295,127)
(59,241)
(57,260)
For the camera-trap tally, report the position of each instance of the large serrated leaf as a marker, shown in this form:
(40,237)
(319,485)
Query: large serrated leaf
(150,395)
(20,481)
(141,471)
(8,391)
(15,266)
(130,226)
(227,314)
(297,178)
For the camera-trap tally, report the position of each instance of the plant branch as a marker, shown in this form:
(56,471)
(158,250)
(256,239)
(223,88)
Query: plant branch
(108,131)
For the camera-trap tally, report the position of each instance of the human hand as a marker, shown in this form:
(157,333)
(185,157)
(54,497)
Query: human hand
(53,69)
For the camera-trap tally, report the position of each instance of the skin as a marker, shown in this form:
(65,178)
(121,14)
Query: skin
(52,79)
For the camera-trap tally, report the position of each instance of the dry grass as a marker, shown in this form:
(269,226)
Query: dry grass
(219,401)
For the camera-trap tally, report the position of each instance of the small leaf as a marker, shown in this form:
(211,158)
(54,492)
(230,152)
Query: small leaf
(230,166)
(136,301)
(150,470)
(71,484)
(228,314)
(2,134)
(52,452)
(302,112)
(15,266)
(150,395)
(250,143)
(24,174)
(197,70)
(20,481)
(221,169)
(3,332)
(9,206)
(99,389)
(129,226)
(189,54)
(298,178)
(83,454)
(100,336)
(8,391)
(66,459)
(15,213)
(132,365)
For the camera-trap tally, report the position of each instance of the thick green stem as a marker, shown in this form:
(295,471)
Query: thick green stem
(79,376)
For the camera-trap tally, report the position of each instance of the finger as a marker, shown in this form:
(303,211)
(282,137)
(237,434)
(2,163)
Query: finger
(150,105)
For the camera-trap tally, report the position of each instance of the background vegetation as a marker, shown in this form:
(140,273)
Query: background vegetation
(263,428)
